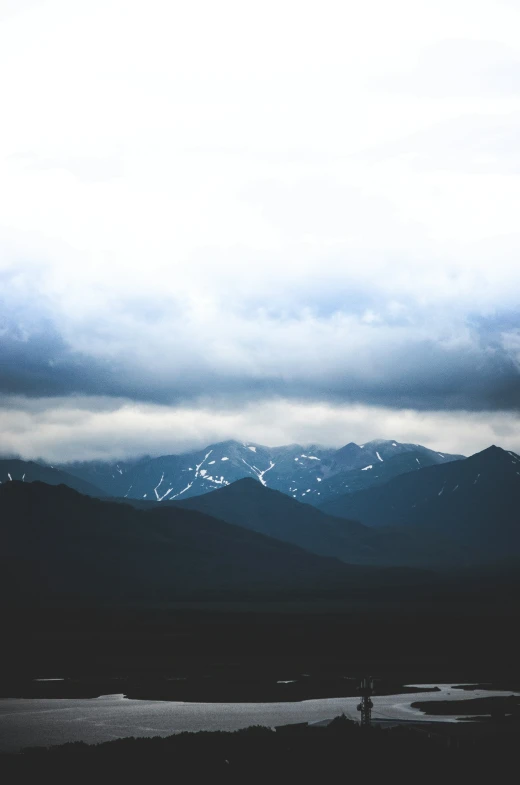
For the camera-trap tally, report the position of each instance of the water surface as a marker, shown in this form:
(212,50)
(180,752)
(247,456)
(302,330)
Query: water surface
(44,722)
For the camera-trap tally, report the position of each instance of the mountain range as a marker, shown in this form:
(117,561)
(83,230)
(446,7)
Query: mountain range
(312,474)
(474,502)
(414,508)
(247,503)
(12,469)
(60,547)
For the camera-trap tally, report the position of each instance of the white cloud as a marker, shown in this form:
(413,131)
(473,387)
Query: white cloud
(291,191)
(141,142)
(122,429)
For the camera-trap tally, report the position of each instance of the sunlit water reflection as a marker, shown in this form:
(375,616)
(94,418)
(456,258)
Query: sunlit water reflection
(31,722)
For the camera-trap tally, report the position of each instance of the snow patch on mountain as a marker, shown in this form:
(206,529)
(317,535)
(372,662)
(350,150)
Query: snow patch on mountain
(197,467)
(260,474)
(183,491)
(284,468)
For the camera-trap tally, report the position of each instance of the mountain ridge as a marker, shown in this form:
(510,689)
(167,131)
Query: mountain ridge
(476,500)
(58,546)
(296,470)
(13,469)
(247,503)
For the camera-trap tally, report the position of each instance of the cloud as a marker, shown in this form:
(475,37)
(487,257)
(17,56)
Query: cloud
(459,67)
(116,429)
(396,356)
(244,204)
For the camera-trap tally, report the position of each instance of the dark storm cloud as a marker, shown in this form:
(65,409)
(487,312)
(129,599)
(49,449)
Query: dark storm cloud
(387,364)
(40,363)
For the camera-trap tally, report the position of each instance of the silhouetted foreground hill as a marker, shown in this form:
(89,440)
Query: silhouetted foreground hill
(57,546)
(295,753)
(248,503)
(474,502)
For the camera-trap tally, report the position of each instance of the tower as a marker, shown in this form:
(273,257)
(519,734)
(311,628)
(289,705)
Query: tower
(366,688)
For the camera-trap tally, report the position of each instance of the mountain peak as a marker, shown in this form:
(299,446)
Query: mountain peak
(245,482)
(492,453)
(304,472)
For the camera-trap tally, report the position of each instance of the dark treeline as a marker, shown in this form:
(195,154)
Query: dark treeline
(340,752)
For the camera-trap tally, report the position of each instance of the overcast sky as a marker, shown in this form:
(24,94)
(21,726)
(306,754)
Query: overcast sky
(276,221)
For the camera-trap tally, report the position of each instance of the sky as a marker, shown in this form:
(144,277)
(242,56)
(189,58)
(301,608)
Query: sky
(278,221)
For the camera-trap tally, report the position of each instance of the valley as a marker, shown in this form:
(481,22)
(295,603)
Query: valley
(244,605)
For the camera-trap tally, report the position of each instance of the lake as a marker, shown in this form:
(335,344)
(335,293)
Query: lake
(45,722)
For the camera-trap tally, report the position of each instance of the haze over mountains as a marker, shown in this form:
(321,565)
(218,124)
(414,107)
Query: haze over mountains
(312,474)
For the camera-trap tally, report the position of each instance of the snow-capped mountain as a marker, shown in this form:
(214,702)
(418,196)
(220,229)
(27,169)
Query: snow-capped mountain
(307,473)
(377,462)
